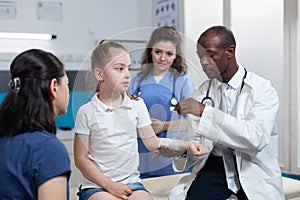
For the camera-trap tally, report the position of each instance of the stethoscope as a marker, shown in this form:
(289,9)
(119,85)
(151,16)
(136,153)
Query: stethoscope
(207,100)
(173,101)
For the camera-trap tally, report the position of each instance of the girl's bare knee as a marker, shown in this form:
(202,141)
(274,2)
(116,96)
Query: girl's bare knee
(102,196)
(140,194)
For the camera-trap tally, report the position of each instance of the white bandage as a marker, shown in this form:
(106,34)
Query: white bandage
(176,145)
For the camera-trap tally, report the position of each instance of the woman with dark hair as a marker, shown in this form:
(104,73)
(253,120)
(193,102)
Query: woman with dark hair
(161,83)
(34,164)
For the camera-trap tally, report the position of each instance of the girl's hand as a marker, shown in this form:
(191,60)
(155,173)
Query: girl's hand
(119,190)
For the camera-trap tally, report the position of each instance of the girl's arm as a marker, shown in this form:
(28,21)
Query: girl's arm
(91,171)
(153,143)
(176,125)
(54,188)
(150,140)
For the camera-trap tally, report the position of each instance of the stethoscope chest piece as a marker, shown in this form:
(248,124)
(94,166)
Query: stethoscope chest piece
(174,101)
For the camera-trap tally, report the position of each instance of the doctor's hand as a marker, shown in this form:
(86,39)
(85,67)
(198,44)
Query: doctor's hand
(189,106)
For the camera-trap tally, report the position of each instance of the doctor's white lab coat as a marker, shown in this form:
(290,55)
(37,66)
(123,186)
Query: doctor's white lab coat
(251,133)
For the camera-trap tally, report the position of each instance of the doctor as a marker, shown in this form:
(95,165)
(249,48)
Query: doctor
(237,114)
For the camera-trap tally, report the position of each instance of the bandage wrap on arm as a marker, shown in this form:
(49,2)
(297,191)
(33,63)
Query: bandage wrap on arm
(177,145)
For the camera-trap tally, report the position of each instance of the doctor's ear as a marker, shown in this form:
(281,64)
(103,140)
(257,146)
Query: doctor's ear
(230,50)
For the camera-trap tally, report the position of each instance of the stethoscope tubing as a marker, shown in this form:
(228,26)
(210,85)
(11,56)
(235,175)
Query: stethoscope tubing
(173,101)
(208,98)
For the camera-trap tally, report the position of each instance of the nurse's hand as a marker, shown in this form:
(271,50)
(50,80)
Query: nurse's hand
(166,151)
(158,126)
(189,106)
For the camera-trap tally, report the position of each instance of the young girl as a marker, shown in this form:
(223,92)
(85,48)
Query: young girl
(162,83)
(105,144)
(34,164)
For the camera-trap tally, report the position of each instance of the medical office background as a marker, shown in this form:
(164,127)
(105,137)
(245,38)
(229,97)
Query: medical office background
(267,34)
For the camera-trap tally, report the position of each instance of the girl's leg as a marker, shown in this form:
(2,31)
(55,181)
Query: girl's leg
(140,194)
(102,196)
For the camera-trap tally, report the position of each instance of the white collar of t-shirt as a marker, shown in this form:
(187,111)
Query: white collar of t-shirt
(101,107)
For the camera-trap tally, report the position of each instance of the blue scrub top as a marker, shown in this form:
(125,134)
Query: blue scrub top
(157,97)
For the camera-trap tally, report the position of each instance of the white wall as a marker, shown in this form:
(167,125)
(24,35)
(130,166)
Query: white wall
(258,27)
(198,16)
(83,23)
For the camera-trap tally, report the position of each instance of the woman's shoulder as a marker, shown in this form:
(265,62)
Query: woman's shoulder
(39,138)
(36,134)
(184,78)
(134,83)
(47,148)
(137,77)
(50,143)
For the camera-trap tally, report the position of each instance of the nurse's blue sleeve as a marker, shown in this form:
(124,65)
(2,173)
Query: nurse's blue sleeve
(144,117)
(134,84)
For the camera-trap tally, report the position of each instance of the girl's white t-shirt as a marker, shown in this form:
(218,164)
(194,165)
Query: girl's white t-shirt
(113,137)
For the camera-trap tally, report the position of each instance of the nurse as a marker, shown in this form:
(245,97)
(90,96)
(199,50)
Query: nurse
(162,83)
